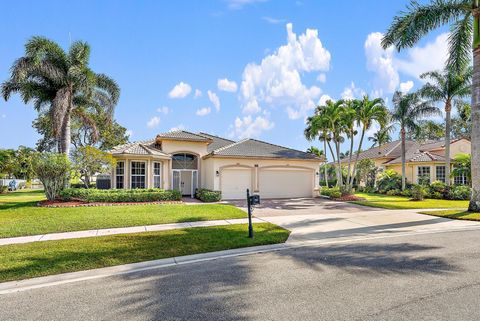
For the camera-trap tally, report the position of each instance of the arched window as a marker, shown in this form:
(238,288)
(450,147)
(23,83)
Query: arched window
(184,161)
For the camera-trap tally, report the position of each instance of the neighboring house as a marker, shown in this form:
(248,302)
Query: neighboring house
(186,161)
(424,161)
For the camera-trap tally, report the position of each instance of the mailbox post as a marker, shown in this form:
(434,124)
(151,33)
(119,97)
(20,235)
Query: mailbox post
(251,200)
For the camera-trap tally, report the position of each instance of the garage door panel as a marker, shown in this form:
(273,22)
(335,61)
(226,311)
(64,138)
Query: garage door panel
(235,182)
(285,183)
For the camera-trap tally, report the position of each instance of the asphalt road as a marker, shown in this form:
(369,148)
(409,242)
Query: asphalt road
(421,277)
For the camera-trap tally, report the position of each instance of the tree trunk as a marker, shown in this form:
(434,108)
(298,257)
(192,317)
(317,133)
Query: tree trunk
(475,198)
(448,121)
(339,168)
(65,138)
(334,159)
(349,174)
(404,174)
(362,136)
(326,169)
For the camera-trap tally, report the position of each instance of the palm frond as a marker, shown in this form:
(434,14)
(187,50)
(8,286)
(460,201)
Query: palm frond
(460,43)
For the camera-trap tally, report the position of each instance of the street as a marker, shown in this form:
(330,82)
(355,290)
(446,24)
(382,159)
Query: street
(432,276)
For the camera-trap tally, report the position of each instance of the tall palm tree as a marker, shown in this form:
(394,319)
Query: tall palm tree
(332,116)
(315,151)
(444,87)
(62,83)
(463,16)
(408,110)
(368,112)
(382,136)
(349,119)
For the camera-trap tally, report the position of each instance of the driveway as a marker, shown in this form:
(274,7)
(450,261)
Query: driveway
(320,219)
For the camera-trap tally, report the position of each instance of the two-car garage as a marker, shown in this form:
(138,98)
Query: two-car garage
(269,182)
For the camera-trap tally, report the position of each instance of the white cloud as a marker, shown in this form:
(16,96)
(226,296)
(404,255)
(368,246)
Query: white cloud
(198,93)
(153,122)
(227,85)
(214,99)
(405,87)
(163,110)
(203,111)
(181,90)
(322,77)
(248,127)
(129,133)
(239,4)
(352,92)
(324,99)
(277,80)
(388,65)
(273,21)
(178,127)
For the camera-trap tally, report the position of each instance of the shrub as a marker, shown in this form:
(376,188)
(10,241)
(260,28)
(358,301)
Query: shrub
(208,196)
(120,195)
(437,190)
(3,189)
(389,180)
(52,170)
(461,192)
(418,193)
(333,192)
(394,192)
(406,193)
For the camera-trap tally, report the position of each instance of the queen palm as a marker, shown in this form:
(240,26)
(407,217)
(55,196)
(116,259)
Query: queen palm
(408,110)
(61,84)
(332,118)
(444,87)
(463,17)
(382,136)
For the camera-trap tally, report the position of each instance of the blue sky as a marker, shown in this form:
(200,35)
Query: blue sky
(235,68)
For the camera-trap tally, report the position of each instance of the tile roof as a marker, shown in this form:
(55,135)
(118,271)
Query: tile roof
(257,148)
(217,142)
(146,147)
(183,135)
(417,157)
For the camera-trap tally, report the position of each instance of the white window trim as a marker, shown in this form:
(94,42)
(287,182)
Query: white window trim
(429,173)
(123,175)
(159,175)
(130,171)
(444,173)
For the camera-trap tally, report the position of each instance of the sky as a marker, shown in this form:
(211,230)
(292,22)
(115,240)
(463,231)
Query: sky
(234,68)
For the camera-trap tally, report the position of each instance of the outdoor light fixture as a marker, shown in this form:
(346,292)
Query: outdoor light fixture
(317,173)
(217,173)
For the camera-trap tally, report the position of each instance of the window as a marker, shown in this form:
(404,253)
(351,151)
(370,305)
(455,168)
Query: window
(120,175)
(138,175)
(440,173)
(423,175)
(184,161)
(157,169)
(460,179)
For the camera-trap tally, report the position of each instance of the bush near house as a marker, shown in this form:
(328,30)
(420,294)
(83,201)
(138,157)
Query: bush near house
(208,196)
(333,192)
(418,193)
(118,195)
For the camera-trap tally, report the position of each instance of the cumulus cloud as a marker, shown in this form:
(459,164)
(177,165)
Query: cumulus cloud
(163,110)
(181,90)
(248,126)
(129,133)
(387,65)
(214,100)
(178,127)
(324,99)
(198,93)
(227,85)
(322,77)
(239,4)
(203,111)
(273,21)
(277,80)
(352,92)
(405,87)
(153,122)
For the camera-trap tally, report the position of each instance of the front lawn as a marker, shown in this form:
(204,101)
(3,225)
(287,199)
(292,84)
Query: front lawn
(401,202)
(20,217)
(29,260)
(455,214)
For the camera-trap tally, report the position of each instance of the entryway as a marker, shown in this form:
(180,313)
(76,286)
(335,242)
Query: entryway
(185,181)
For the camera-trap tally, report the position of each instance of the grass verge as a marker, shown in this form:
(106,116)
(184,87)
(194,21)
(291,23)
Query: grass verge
(22,261)
(455,214)
(20,217)
(401,202)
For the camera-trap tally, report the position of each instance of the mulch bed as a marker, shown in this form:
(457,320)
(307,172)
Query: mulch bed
(60,203)
(349,198)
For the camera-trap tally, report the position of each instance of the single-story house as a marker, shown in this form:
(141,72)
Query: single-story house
(424,161)
(186,161)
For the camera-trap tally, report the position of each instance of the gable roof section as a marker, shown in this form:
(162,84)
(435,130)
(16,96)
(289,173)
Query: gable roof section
(417,157)
(256,148)
(217,142)
(146,147)
(183,135)
(432,145)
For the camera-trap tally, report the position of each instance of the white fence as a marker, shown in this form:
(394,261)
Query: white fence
(19,183)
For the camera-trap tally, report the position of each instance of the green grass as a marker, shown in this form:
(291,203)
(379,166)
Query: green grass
(20,217)
(29,260)
(401,202)
(455,214)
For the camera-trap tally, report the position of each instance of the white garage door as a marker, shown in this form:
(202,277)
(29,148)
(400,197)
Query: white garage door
(285,183)
(235,182)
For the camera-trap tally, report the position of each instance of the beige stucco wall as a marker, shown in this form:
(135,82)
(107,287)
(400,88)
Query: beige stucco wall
(412,170)
(461,146)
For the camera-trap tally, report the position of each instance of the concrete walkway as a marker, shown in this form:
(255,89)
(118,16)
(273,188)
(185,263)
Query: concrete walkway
(120,230)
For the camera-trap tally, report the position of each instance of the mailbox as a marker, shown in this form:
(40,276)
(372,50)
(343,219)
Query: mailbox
(255,200)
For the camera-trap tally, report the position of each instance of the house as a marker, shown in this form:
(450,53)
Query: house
(186,161)
(424,161)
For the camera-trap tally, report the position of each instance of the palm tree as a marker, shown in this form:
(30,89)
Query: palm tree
(382,136)
(445,87)
(315,151)
(368,112)
(408,110)
(463,16)
(349,119)
(332,117)
(62,83)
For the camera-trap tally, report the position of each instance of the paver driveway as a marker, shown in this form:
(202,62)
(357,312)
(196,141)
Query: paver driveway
(318,219)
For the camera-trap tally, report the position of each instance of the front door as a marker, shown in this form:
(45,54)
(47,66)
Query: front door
(186,182)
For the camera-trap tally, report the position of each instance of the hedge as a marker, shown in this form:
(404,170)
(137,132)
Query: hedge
(333,192)
(119,195)
(208,196)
